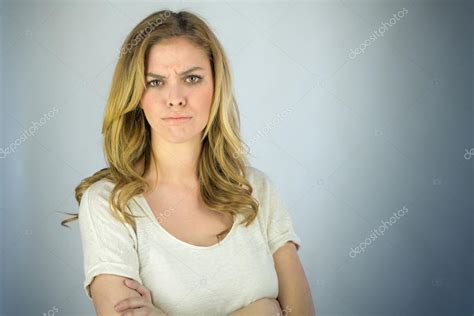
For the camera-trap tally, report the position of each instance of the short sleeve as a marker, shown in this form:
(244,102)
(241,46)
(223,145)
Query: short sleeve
(109,246)
(280,227)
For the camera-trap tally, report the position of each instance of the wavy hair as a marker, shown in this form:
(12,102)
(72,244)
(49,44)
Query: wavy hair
(127,137)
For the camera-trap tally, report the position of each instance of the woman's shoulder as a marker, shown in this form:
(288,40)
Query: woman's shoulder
(96,199)
(102,185)
(257,178)
(99,190)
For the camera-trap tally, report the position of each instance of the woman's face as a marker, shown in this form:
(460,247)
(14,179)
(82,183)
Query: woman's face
(179,83)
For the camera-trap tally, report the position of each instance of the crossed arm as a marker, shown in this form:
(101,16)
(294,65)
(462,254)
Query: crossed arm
(294,295)
(106,291)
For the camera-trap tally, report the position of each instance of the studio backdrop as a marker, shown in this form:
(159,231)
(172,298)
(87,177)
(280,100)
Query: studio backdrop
(360,111)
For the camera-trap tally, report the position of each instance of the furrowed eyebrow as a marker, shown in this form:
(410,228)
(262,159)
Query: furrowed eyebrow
(150,74)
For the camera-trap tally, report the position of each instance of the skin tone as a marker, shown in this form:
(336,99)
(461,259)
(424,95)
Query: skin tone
(179,83)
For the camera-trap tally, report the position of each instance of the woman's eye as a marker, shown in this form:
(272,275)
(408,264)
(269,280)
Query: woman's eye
(156,82)
(198,78)
(152,83)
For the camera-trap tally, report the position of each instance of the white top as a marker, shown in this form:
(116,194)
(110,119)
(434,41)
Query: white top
(186,279)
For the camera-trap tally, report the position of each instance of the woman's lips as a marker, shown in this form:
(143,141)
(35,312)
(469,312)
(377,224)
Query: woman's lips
(177,119)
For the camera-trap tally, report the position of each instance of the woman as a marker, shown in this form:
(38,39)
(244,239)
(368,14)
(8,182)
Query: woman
(179,214)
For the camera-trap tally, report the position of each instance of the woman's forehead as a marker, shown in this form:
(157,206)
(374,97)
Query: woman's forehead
(176,58)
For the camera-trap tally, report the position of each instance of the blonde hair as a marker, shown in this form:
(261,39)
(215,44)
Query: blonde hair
(222,162)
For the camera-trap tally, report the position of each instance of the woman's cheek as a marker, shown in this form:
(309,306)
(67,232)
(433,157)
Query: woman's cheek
(207,98)
(151,114)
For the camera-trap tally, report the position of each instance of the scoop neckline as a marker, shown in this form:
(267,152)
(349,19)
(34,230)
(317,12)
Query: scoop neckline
(144,202)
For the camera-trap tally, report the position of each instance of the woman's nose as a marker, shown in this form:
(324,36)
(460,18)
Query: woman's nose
(176,97)
(172,103)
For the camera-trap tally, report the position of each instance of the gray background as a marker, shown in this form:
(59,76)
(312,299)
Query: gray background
(348,141)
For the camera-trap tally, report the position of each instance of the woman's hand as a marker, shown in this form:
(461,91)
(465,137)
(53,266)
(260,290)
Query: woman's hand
(135,306)
(264,306)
